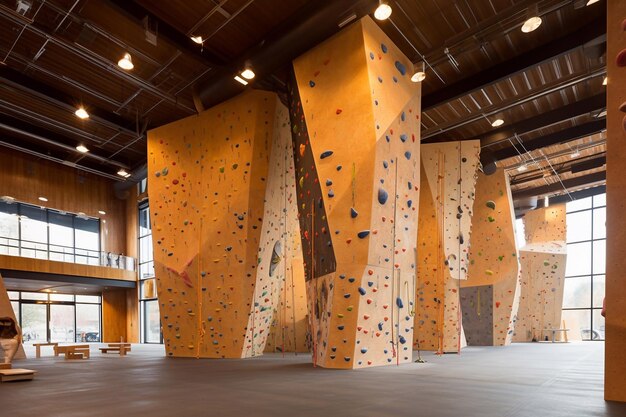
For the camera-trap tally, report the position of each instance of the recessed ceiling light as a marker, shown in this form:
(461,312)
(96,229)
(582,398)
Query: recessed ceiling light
(44,199)
(522,168)
(197,39)
(82,149)
(605,81)
(102,212)
(81,113)
(497,122)
(248,74)
(241,80)
(122,173)
(383,11)
(126,62)
(531,24)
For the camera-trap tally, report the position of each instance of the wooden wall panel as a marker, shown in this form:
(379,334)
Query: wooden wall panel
(493,263)
(355,118)
(542,273)
(615,380)
(26,178)
(114,315)
(446,206)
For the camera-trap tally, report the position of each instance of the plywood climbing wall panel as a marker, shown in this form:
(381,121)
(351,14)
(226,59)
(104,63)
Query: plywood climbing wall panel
(542,273)
(6,310)
(220,187)
(355,122)
(446,205)
(493,263)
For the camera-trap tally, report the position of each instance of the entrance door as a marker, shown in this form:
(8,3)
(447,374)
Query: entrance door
(35,323)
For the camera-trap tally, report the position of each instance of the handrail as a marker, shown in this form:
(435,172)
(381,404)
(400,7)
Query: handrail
(70,254)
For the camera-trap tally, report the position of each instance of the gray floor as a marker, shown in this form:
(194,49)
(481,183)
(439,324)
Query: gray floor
(538,379)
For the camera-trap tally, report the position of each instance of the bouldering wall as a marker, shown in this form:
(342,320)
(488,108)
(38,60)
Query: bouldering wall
(490,295)
(615,365)
(6,310)
(355,118)
(220,188)
(446,203)
(542,273)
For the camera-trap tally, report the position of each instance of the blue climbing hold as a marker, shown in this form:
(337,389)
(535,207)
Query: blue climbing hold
(399,302)
(383,47)
(341,327)
(387,138)
(409,203)
(370,283)
(402,340)
(407,155)
(362,291)
(339,167)
(329,183)
(346,296)
(371,55)
(353,212)
(326,154)
(380,326)
(331,193)
(403,117)
(363,234)
(312,83)
(380,79)
(351,279)
(382,196)
(403,137)
(385,164)
(363,350)
(401,68)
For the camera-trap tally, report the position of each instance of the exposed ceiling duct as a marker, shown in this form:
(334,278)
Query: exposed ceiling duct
(312,24)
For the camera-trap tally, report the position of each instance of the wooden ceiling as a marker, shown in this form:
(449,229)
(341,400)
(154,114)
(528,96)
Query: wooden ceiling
(546,85)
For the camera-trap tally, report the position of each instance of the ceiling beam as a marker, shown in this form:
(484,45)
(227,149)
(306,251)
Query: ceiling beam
(168,32)
(66,101)
(548,189)
(563,136)
(520,63)
(577,195)
(575,167)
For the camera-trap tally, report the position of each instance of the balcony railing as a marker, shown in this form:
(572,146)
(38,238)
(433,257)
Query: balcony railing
(60,253)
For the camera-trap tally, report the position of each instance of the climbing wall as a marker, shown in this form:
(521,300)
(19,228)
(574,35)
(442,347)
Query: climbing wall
(221,193)
(355,124)
(493,274)
(6,310)
(446,203)
(542,273)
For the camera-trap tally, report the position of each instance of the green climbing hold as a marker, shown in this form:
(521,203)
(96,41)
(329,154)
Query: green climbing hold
(491,204)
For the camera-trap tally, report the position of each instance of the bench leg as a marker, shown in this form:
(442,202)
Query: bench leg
(38,351)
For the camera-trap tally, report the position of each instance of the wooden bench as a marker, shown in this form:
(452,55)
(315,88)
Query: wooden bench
(73,351)
(7,375)
(5,366)
(554,331)
(39,345)
(120,348)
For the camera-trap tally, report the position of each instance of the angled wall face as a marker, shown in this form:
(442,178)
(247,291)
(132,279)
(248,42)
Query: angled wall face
(221,188)
(542,274)
(446,205)
(6,310)
(355,116)
(490,295)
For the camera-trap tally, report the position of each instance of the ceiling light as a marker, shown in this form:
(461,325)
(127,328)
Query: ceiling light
(81,113)
(102,212)
(44,199)
(575,154)
(590,2)
(7,199)
(126,62)
(531,24)
(420,74)
(248,74)
(82,149)
(605,81)
(122,173)
(197,39)
(241,80)
(497,122)
(522,168)
(383,11)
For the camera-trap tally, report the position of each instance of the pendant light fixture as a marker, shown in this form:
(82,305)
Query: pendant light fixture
(383,11)
(126,63)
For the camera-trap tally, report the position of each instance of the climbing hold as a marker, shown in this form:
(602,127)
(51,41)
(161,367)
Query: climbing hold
(403,137)
(353,212)
(312,83)
(362,291)
(329,183)
(331,193)
(491,204)
(326,154)
(383,47)
(407,155)
(363,234)
(401,68)
(399,302)
(382,196)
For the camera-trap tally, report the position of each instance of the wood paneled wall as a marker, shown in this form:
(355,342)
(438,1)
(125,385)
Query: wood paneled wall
(114,315)
(26,178)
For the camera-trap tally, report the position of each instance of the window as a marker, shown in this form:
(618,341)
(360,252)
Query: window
(586,263)
(149,305)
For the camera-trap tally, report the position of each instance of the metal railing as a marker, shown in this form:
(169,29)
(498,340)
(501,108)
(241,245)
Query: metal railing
(38,250)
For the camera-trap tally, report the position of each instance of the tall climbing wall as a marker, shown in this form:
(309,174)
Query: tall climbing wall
(446,204)
(221,188)
(542,273)
(615,383)
(6,310)
(355,123)
(490,295)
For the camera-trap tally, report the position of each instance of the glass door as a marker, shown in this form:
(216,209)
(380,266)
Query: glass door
(62,323)
(34,323)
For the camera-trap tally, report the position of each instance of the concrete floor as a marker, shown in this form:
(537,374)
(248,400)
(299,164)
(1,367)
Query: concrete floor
(539,379)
